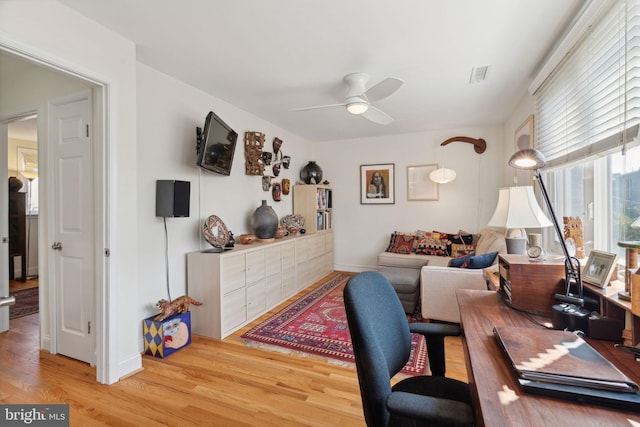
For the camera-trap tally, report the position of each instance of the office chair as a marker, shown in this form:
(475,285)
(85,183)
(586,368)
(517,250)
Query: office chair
(381,338)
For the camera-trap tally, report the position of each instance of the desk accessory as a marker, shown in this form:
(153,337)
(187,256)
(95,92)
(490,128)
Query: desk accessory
(562,365)
(532,159)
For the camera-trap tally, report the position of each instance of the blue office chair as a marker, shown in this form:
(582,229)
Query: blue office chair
(381,338)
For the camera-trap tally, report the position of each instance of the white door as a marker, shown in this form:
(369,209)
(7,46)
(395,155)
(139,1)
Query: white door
(72,247)
(4,229)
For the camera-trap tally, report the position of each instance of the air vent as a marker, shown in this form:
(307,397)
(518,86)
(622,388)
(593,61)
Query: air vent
(478,74)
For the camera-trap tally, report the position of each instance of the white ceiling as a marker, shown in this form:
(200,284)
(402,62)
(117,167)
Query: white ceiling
(267,57)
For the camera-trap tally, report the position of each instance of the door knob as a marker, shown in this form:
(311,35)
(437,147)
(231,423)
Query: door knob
(56,246)
(6,301)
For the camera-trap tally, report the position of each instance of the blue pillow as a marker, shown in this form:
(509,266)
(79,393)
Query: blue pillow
(482,261)
(458,262)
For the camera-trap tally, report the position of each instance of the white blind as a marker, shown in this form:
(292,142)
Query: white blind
(580,108)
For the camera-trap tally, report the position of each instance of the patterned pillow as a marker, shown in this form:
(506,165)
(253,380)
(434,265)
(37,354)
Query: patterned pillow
(458,250)
(401,243)
(451,239)
(429,245)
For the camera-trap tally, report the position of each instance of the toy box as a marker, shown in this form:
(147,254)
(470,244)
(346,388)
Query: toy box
(162,339)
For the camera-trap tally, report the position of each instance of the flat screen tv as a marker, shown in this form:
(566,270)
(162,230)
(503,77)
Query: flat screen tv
(216,145)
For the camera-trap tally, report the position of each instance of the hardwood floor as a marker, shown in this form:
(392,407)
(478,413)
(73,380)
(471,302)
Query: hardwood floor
(209,383)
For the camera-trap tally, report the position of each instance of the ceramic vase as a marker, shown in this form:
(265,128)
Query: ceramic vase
(311,173)
(264,222)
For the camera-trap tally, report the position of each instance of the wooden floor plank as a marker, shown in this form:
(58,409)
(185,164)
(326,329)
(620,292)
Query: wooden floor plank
(210,383)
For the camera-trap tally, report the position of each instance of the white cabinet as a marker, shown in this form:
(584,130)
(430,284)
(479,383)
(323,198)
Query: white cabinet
(239,285)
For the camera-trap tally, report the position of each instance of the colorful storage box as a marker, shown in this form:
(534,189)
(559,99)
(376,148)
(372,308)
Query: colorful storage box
(162,339)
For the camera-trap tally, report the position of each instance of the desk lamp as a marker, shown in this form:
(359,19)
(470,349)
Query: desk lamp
(571,315)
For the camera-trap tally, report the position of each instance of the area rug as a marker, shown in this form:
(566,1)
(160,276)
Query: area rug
(27,303)
(316,324)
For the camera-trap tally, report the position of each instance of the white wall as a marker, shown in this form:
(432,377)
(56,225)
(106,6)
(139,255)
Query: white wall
(168,113)
(91,50)
(362,231)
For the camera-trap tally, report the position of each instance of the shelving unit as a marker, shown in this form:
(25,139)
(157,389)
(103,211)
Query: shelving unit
(314,203)
(17,234)
(239,285)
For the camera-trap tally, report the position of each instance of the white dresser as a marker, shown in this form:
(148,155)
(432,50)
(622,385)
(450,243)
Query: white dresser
(239,285)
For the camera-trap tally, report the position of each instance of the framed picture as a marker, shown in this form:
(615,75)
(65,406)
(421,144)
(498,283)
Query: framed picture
(598,269)
(419,185)
(377,184)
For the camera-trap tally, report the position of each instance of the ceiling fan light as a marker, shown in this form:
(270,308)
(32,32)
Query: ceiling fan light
(358,107)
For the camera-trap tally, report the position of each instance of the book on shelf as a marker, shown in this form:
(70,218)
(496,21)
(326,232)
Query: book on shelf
(559,357)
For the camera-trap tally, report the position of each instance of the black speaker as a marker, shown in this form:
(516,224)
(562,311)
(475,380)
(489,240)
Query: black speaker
(172,198)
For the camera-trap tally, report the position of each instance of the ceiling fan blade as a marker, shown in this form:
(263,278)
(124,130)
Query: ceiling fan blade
(383,89)
(377,116)
(318,107)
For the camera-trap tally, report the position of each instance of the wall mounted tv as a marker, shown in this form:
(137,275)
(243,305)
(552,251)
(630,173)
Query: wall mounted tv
(216,145)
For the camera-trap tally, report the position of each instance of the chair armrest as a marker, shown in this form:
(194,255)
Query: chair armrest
(432,409)
(438,287)
(434,334)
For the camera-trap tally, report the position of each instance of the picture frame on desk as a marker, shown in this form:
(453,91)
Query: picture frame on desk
(597,271)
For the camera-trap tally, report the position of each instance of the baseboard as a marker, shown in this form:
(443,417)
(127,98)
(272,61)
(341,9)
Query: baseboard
(354,268)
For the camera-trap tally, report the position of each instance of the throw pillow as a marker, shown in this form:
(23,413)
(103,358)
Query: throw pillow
(458,262)
(462,250)
(480,261)
(491,241)
(453,238)
(429,245)
(401,243)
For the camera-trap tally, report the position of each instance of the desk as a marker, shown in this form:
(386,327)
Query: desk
(496,395)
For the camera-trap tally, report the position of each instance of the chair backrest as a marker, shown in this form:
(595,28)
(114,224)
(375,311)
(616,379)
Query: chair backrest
(380,337)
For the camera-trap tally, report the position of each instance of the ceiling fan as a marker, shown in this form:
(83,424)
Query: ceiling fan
(359,98)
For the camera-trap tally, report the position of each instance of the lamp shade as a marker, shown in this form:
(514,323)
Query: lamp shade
(527,159)
(518,208)
(442,175)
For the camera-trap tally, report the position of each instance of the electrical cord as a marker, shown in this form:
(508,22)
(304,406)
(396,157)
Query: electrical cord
(166,255)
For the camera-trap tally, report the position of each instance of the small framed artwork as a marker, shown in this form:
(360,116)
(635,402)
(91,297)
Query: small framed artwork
(599,267)
(377,184)
(419,185)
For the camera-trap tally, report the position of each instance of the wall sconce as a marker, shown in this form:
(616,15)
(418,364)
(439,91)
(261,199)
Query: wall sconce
(479,144)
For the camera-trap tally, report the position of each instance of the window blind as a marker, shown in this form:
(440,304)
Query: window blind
(593,95)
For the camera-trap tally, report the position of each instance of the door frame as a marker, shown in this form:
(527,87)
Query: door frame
(105,358)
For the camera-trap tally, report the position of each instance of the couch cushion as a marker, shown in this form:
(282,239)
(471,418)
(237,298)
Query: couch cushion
(404,280)
(428,244)
(389,259)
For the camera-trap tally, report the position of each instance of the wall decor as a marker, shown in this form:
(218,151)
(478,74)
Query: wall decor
(253,144)
(419,185)
(377,184)
(277,143)
(286,186)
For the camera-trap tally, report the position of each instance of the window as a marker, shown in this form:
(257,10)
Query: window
(587,115)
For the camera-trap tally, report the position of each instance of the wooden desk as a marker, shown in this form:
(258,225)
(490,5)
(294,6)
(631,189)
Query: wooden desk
(497,397)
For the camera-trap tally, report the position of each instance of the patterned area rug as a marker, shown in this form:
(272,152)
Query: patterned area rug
(26,303)
(316,324)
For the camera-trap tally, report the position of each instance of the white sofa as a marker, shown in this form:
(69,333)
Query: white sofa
(438,282)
